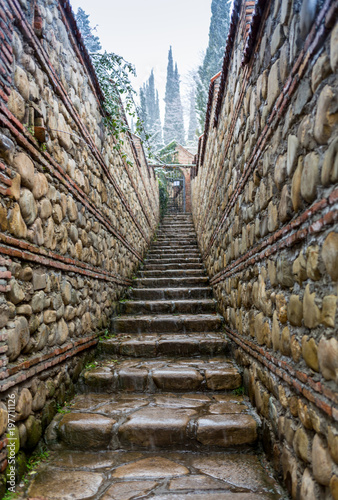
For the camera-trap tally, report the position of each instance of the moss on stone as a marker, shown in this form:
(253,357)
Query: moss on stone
(34,432)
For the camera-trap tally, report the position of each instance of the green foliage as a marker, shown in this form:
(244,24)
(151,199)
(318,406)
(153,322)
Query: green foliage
(212,63)
(193,129)
(92,365)
(106,335)
(239,391)
(9,495)
(113,73)
(150,112)
(173,120)
(62,409)
(168,154)
(36,459)
(163,192)
(91,41)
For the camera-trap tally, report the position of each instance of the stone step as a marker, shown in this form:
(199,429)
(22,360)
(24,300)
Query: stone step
(169,242)
(170,265)
(187,233)
(173,261)
(203,306)
(178,216)
(174,253)
(177,226)
(160,475)
(145,375)
(179,229)
(155,345)
(174,246)
(172,273)
(197,281)
(203,292)
(152,421)
(175,241)
(182,233)
(167,323)
(174,224)
(193,251)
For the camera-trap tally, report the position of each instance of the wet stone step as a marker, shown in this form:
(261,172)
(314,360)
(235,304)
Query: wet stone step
(177,225)
(179,245)
(174,260)
(173,265)
(155,345)
(181,230)
(203,306)
(144,375)
(163,273)
(187,233)
(197,292)
(169,475)
(167,323)
(176,246)
(194,250)
(176,237)
(179,256)
(188,421)
(171,282)
(174,241)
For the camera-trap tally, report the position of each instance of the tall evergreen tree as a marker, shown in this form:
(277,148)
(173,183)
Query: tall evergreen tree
(173,121)
(212,63)
(157,122)
(143,107)
(91,41)
(192,135)
(150,111)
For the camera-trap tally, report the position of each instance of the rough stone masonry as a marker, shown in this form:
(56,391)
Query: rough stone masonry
(265,201)
(75,218)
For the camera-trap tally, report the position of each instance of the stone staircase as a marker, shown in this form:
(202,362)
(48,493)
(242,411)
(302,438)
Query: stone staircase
(161,416)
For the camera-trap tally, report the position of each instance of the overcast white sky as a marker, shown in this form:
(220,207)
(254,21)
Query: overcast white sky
(142,30)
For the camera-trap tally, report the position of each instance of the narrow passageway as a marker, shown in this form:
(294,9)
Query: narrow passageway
(224,344)
(162,415)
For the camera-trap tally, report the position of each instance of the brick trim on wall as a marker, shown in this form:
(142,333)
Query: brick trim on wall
(312,43)
(41,55)
(289,235)
(30,144)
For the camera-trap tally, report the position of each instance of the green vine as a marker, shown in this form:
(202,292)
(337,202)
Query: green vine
(163,192)
(113,73)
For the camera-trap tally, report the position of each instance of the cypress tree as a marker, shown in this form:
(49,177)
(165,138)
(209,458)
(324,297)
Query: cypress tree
(179,109)
(212,63)
(157,122)
(143,107)
(150,111)
(173,121)
(91,41)
(192,135)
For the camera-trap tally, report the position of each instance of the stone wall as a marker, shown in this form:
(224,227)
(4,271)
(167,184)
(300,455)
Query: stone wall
(265,202)
(75,217)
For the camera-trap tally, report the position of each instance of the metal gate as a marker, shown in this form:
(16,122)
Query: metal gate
(175,190)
